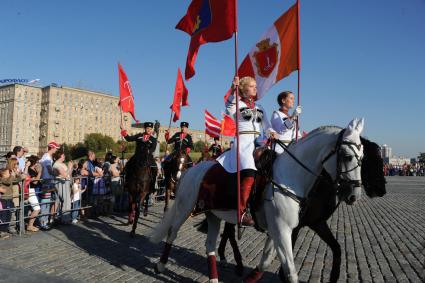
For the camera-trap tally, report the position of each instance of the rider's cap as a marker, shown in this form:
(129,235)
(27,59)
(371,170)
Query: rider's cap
(216,138)
(184,124)
(148,125)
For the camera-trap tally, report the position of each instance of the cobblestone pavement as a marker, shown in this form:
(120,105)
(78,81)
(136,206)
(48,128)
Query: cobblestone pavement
(382,240)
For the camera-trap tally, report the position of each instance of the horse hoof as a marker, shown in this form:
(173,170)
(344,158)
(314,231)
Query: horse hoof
(145,213)
(159,267)
(254,276)
(239,270)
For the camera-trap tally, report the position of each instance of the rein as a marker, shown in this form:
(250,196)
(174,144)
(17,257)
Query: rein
(335,150)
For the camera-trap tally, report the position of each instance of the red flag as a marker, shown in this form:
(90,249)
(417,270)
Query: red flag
(126,95)
(212,125)
(228,126)
(206,21)
(180,96)
(275,55)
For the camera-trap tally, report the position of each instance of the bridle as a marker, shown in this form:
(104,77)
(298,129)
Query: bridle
(340,159)
(339,181)
(180,163)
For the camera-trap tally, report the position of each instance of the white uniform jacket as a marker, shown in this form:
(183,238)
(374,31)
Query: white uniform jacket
(252,122)
(285,128)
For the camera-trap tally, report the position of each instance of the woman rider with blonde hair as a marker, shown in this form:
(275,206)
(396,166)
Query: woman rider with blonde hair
(252,123)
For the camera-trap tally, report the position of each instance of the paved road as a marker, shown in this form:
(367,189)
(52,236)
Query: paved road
(382,241)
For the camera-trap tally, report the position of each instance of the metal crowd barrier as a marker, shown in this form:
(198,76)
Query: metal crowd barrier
(97,188)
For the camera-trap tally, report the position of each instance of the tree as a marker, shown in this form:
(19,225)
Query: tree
(78,150)
(162,146)
(199,146)
(67,151)
(99,142)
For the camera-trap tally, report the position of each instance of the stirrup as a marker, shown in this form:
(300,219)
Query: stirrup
(249,222)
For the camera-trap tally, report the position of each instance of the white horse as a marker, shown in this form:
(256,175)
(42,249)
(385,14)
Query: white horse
(339,153)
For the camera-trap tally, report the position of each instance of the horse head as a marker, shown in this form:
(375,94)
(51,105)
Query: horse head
(178,164)
(346,163)
(373,170)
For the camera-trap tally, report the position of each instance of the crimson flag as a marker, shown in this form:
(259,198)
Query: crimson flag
(228,126)
(212,125)
(207,21)
(126,95)
(180,96)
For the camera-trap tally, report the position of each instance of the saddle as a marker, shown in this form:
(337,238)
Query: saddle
(218,187)
(217,191)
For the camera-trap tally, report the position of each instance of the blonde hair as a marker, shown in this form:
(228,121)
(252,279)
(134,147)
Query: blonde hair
(243,83)
(11,163)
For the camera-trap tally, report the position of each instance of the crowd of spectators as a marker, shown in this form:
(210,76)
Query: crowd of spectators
(404,170)
(55,191)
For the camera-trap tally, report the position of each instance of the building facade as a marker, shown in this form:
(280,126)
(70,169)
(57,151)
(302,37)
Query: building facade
(33,116)
(20,108)
(386,152)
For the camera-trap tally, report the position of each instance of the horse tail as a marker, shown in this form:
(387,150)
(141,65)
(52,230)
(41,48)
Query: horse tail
(186,196)
(161,230)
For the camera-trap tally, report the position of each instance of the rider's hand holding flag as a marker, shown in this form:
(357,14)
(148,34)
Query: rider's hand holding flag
(296,113)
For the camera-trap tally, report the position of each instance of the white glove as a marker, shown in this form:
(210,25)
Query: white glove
(297,111)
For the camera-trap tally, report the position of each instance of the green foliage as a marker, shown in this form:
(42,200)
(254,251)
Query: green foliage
(98,142)
(163,145)
(78,150)
(199,146)
(67,150)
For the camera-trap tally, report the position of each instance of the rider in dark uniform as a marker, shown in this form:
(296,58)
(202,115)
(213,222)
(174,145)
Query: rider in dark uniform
(182,141)
(144,141)
(215,148)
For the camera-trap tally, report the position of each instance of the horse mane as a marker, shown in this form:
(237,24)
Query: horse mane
(313,133)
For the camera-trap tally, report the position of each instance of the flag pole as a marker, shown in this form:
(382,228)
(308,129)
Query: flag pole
(122,138)
(122,116)
(299,64)
(238,214)
(169,126)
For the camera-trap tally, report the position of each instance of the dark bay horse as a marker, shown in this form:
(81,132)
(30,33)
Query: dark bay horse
(321,204)
(139,185)
(174,167)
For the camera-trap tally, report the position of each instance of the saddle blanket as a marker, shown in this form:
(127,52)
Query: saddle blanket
(217,191)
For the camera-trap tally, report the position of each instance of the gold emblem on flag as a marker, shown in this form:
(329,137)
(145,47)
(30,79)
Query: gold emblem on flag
(266,57)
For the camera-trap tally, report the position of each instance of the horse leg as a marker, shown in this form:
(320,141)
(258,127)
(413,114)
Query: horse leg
(294,235)
(236,253)
(269,253)
(179,219)
(282,218)
(167,196)
(145,210)
(322,229)
(283,245)
(211,244)
(136,218)
(224,237)
(138,202)
(131,208)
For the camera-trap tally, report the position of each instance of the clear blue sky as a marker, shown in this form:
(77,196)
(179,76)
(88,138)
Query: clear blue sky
(359,58)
